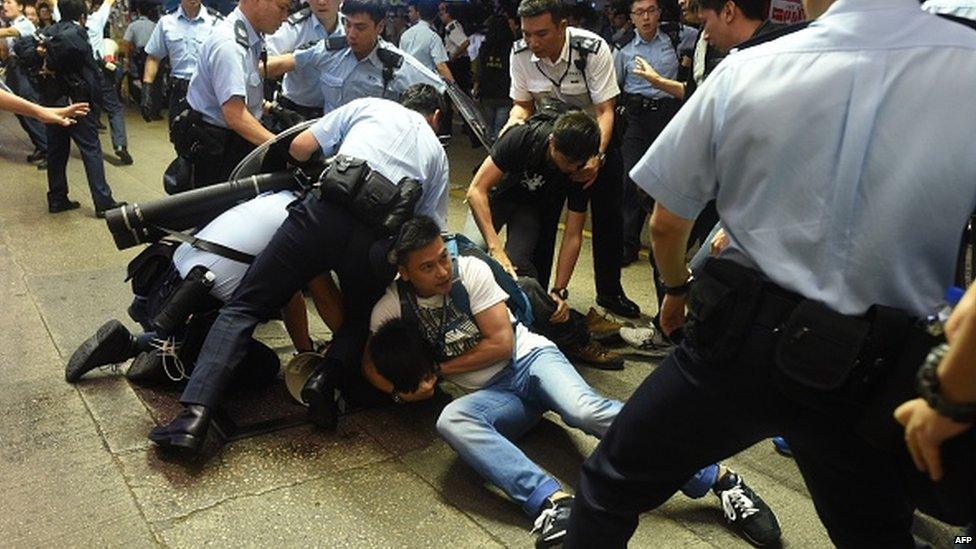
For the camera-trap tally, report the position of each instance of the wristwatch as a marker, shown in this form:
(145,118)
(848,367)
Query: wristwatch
(929,389)
(563,293)
(603,158)
(677,290)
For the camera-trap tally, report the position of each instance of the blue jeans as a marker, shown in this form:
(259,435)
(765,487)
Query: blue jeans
(480,426)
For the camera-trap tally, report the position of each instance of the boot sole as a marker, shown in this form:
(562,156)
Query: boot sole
(183,443)
(79,363)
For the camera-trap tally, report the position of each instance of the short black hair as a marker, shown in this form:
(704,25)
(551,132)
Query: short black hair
(532,8)
(426,8)
(72,10)
(375,9)
(576,135)
(753,9)
(401,354)
(422,98)
(453,8)
(414,235)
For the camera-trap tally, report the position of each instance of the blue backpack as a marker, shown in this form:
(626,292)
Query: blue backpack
(459,245)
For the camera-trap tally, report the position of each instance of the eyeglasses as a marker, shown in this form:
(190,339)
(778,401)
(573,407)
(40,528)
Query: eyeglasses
(645,13)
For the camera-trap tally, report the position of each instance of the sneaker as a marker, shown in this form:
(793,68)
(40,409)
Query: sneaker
(647,340)
(147,369)
(552,522)
(594,354)
(745,512)
(124,157)
(600,327)
(111,344)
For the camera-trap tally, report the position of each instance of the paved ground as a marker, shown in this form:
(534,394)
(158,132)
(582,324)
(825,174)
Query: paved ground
(76,468)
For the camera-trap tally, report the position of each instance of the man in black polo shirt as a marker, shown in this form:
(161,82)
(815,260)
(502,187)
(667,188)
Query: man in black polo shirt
(534,168)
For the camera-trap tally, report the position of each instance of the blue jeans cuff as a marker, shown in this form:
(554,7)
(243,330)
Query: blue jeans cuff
(698,485)
(533,505)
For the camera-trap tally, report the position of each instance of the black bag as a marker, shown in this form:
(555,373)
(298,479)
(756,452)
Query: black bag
(371,197)
(195,140)
(151,263)
(341,181)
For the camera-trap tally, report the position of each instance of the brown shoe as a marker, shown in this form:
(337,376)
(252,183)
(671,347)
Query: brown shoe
(596,355)
(600,327)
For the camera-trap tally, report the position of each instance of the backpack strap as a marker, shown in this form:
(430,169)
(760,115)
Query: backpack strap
(459,294)
(391,61)
(210,247)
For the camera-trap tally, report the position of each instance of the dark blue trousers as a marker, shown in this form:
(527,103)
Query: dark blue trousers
(85,136)
(19,84)
(316,237)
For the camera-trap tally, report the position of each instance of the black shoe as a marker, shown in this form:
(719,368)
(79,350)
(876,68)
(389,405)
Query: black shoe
(36,155)
(124,156)
(628,258)
(745,512)
(111,344)
(552,522)
(147,369)
(619,305)
(42,165)
(186,432)
(100,212)
(63,206)
(319,394)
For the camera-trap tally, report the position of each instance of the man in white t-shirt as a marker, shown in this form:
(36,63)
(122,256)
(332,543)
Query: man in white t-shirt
(511,375)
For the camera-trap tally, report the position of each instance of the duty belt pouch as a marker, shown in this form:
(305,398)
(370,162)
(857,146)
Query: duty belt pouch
(374,199)
(401,210)
(816,355)
(149,265)
(722,305)
(341,181)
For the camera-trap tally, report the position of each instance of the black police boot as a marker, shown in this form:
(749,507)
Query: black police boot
(319,394)
(111,344)
(619,305)
(186,432)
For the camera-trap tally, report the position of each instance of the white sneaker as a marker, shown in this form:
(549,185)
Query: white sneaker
(648,340)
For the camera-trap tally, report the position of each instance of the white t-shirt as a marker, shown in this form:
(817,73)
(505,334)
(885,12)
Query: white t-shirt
(247,227)
(483,292)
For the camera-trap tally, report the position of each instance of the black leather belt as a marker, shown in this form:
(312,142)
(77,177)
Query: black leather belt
(640,103)
(307,112)
(180,85)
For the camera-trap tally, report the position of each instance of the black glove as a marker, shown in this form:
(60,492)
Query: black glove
(286,117)
(146,105)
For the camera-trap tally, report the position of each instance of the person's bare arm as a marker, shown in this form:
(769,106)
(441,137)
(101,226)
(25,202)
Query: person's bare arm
(604,119)
(497,340)
(569,250)
(521,111)
(671,87)
(461,50)
(152,68)
(445,72)
(295,317)
(327,300)
(9,32)
(242,122)
(63,116)
(484,181)
(303,146)
(278,65)
(669,238)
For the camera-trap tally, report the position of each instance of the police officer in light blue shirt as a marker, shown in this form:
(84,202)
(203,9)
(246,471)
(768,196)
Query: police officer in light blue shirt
(843,225)
(226,95)
(111,75)
(17,81)
(646,109)
(360,64)
(422,41)
(300,89)
(321,235)
(178,36)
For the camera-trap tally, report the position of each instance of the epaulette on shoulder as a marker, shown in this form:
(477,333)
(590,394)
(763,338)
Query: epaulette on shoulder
(389,58)
(773,35)
(214,13)
(585,43)
(625,39)
(299,16)
(336,43)
(307,45)
(519,46)
(240,34)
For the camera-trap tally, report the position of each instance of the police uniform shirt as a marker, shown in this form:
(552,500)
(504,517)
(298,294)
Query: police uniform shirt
(95,26)
(424,44)
(178,37)
(395,141)
(957,8)
(227,69)
(659,52)
(24,27)
(836,174)
(453,37)
(247,227)
(301,30)
(139,31)
(541,80)
(344,78)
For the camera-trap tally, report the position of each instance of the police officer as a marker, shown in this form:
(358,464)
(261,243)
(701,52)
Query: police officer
(321,235)
(797,328)
(652,48)
(574,67)
(226,94)
(109,100)
(17,81)
(422,41)
(300,90)
(360,64)
(134,41)
(178,36)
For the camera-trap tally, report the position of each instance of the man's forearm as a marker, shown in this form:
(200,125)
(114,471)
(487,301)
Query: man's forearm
(604,117)
(569,250)
(673,88)
(669,240)
(957,372)
(520,112)
(152,68)
(481,211)
(486,353)
(280,64)
(445,72)
(248,127)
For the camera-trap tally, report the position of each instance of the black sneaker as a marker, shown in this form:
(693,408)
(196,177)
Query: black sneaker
(111,344)
(552,522)
(147,369)
(745,512)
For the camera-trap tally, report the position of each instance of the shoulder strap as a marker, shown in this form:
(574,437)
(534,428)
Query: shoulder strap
(214,13)
(961,20)
(240,34)
(335,43)
(625,39)
(299,16)
(583,45)
(391,61)
(210,247)
(459,294)
(519,46)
